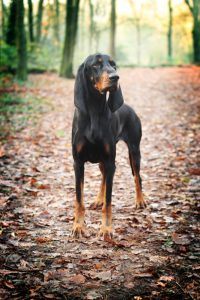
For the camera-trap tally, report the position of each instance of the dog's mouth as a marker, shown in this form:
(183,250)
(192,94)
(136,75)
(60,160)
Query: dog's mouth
(104,86)
(110,88)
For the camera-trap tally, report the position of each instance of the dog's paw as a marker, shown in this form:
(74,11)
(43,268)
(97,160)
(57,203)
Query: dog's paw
(140,203)
(96,205)
(78,230)
(105,232)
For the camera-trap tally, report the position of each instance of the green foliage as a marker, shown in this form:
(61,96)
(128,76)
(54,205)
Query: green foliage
(44,57)
(16,111)
(8,56)
(11,29)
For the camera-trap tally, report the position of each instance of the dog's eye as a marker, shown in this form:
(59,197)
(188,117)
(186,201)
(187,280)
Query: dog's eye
(113,64)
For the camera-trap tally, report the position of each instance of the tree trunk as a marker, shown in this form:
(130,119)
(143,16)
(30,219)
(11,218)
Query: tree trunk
(195,11)
(30,21)
(112,28)
(169,35)
(138,34)
(72,8)
(3,20)
(21,43)
(11,31)
(39,20)
(196,31)
(56,20)
(91,33)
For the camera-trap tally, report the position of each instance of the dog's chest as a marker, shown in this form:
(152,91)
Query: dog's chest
(97,129)
(95,152)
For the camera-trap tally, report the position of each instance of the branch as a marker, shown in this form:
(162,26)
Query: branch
(190,6)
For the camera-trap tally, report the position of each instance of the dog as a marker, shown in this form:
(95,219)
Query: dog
(100,120)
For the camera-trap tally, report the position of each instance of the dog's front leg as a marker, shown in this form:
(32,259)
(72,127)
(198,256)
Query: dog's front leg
(78,226)
(106,227)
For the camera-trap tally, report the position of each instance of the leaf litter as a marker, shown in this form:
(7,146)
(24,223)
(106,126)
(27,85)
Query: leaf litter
(155,252)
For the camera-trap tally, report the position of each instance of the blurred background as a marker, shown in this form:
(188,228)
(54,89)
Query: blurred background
(56,35)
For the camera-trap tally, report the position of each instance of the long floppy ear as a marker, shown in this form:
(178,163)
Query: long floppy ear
(115,99)
(80,89)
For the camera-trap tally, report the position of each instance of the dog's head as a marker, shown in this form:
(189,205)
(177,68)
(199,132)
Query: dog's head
(101,71)
(98,72)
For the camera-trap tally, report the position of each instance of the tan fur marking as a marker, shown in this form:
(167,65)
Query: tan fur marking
(79,208)
(107,148)
(106,215)
(79,147)
(103,82)
(140,202)
(79,213)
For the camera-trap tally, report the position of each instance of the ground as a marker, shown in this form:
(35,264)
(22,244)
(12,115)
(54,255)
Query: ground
(154,253)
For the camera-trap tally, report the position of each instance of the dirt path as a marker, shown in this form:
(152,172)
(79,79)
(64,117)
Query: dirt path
(154,254)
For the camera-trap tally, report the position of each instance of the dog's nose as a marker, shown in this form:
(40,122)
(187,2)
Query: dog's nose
(113,77)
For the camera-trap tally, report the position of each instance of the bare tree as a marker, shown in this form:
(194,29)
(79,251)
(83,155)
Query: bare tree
(21,42)
(194,6)
(71,25)
(3,19)
(92,25)
(56,20)
(112,28)
(170,31)
(39,20)
(137,17)
(30,21)
(11,27)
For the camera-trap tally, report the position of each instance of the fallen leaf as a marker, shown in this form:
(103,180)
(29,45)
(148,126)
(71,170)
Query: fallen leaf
(129,285)
(194,171)
(42,240)
(43,186)
(104,276)
(78,279)
(49,296)
(180,239)
(6,272)
(2,152)
(166,278)
(9,284)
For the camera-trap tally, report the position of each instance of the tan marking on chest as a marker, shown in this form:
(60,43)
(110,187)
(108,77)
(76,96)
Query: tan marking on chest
(107,148)
(79,147)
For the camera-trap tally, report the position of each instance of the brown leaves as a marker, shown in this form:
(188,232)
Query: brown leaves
(194,171)
(9,284)
(65,276)
(164,280)
(180,239)
(77,279)
(43,239)
(41,186)
(39,190)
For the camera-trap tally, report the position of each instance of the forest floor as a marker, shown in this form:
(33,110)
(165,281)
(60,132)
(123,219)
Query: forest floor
(155,252)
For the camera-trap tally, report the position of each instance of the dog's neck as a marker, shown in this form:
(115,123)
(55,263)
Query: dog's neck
(98,113)
(96,102)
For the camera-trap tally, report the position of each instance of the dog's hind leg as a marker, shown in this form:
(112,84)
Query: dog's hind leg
(78,226)
(134,156)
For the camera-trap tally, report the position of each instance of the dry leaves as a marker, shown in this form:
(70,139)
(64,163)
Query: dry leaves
(155,247)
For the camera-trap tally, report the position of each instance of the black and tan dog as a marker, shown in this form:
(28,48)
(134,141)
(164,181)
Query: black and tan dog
(98,124)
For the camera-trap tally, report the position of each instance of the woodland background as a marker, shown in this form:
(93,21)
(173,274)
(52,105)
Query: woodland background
(57,35)
(154,253)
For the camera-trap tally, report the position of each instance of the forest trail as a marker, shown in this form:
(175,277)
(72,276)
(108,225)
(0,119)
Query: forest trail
(155,251)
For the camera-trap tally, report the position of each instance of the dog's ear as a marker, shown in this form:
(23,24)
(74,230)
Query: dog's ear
(115,99)
(80,89)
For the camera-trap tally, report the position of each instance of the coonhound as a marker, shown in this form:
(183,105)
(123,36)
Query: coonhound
(101,119)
